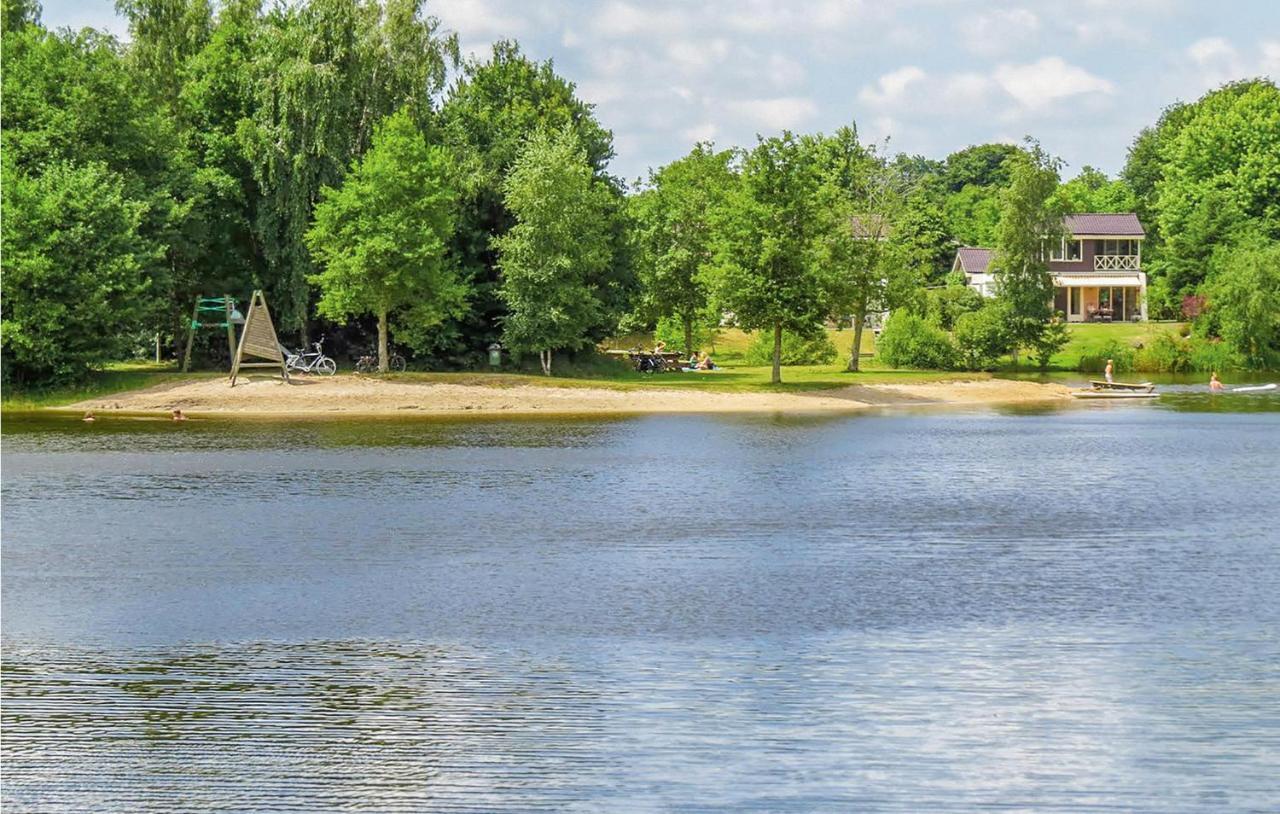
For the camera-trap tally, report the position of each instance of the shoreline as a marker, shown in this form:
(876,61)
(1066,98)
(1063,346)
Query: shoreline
(350,396)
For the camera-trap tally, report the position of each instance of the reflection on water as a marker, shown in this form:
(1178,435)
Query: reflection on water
(1072,610)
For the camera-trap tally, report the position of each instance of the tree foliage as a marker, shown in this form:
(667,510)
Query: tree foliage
(75,283)
(381,239)
(1244,300)
(555,258)
(673,219)
(1029,221)
(766,273)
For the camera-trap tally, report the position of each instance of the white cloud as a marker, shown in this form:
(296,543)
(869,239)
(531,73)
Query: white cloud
(618,19)
(1039,84)
(783,112)
(478,19)
(706,131)
(999,31)
(1216,61)
(890,87)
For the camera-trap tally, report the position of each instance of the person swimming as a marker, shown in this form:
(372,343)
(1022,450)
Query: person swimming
(1215,385)
(89,417)
(178,416)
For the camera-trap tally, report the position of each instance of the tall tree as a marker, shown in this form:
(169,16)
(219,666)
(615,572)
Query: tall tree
(1029,222)
(766,272)
(381,238)
(858,243)
(553,257)
(490,111)
(327,71)
(673,220)
(75,282)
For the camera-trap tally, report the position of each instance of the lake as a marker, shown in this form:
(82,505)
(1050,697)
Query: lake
(1065,609)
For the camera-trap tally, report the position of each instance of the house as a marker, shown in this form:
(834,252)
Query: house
(1096,268)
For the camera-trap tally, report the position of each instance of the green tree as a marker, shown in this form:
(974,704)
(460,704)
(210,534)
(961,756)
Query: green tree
(1219,181)
(766,272)
(381,238)
(673,221)
(862,199)
(490,111)
(325,72)
(982,165)
(552,259)
(1051,339)
(75,283)
(70,98)
(973,214)
(1244,300)
(1029,221)
(1092,191)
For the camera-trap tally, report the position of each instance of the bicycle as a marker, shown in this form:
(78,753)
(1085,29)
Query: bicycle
(313,361)
(369,363)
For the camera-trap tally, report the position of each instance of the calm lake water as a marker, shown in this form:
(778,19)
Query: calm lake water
(1073,610)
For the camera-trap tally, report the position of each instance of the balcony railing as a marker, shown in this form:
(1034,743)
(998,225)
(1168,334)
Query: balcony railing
(1115,262)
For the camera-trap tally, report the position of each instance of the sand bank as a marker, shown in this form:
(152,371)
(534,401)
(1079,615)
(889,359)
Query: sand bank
(371,395)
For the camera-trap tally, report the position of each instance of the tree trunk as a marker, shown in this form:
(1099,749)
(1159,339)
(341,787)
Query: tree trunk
(545,357)
(382,341)
(859,319)
(777,354)
(688,336)
(1014,354)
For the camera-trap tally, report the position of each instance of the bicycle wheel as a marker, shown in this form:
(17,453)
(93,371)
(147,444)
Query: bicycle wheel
(326,366)
(396,363)
(364,365)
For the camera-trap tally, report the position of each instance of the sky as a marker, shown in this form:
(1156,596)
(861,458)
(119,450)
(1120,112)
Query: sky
(931,76)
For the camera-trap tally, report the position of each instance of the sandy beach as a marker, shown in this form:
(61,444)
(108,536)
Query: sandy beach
(370,395)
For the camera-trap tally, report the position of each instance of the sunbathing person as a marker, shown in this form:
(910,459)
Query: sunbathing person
(705,363)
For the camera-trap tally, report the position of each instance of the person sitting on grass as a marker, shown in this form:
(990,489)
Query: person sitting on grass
(705,363)
(693,360)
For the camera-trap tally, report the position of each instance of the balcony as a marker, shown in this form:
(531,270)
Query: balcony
(1116,262)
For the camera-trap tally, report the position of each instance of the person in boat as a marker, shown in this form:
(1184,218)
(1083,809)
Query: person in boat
(1109,371)
(1215,385)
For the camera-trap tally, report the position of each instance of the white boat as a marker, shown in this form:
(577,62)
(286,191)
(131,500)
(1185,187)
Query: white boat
(1254,389)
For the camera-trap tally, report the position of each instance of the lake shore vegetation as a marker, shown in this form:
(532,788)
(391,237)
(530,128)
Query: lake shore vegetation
(340,156)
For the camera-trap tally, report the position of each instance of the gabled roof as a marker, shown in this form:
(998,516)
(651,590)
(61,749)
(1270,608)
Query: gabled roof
(974,260)
(1123,224)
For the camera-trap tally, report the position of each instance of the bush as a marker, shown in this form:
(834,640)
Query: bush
(1053,338)
(1166,353)
(943,306)
(1122,358)
(909,341)
(981,336)
(796,350)
(1212,354)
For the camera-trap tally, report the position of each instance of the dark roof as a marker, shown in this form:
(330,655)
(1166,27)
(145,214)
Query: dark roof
(974,260)
(1125,224)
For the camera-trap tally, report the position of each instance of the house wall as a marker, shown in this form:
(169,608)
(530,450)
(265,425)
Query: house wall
(1085,263)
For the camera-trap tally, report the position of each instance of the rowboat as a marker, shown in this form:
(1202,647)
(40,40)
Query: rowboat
(1105,385)
(1115,394)
(1254,389)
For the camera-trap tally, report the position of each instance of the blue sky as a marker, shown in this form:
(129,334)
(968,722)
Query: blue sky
(931,75)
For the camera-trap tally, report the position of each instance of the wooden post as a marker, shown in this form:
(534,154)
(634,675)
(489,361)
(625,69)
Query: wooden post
(191,335)
(231,329)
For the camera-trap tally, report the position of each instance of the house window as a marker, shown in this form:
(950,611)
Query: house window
(1067,250)
(1119,247)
